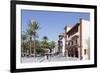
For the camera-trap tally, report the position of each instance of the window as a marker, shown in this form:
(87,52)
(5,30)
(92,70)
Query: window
(68,43)
(69,35)
(76,42)
(72,42)
(84,51)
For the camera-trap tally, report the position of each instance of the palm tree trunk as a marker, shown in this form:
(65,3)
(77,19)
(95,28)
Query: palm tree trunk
(30,47)
(34,47)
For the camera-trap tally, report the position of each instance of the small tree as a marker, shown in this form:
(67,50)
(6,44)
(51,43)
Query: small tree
(52,45)
(45,42)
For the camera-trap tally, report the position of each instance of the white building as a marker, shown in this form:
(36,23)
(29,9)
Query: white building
(76,40)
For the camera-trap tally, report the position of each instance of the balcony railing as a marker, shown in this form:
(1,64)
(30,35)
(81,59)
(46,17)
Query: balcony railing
(72,46)
(76,34)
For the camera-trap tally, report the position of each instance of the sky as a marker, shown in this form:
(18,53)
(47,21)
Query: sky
(51,23)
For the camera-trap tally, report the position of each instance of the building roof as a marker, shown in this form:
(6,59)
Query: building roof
(73,27)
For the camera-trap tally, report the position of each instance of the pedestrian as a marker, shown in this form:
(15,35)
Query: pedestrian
(47,56)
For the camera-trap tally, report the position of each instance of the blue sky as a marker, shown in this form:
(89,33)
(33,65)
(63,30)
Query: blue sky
(51,23)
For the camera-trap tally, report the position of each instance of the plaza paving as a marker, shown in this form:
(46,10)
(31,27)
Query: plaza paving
(44,59)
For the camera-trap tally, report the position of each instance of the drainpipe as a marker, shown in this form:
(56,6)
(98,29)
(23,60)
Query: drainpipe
(80,39)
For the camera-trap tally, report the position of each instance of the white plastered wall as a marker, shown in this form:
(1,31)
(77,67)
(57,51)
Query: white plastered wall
(85,39)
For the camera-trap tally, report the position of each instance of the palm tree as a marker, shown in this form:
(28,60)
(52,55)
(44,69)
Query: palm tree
(23,38)
(52,45)
(45,38)
(32,31)
(45,42)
